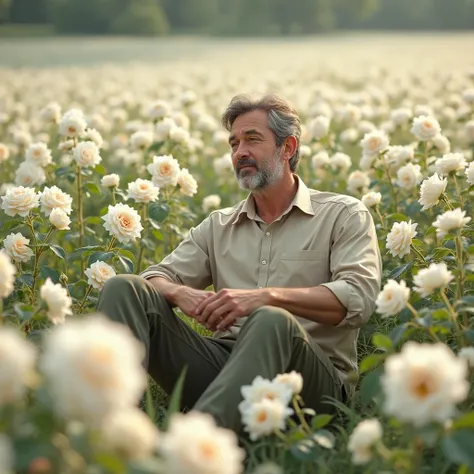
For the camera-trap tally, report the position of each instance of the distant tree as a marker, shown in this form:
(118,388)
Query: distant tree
(145,17)
(200,15)
(28,11)
(4,10)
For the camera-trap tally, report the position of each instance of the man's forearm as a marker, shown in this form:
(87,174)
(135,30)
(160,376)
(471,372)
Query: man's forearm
(318,304)
(167,288)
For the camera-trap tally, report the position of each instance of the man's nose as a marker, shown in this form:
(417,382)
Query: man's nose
(241,151)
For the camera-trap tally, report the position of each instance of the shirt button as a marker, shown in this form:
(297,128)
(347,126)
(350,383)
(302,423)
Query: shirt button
(264,262)
(267,234)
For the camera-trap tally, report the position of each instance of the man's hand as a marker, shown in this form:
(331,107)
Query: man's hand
(188,299)
(223,308)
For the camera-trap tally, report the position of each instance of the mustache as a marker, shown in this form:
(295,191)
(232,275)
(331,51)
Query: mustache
(246,162)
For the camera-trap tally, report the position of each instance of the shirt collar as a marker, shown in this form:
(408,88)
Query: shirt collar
(302,201)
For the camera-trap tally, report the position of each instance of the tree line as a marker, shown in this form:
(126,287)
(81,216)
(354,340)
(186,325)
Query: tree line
(237,17)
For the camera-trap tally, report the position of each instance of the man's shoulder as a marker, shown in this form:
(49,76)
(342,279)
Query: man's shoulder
(336,201)
(226,214)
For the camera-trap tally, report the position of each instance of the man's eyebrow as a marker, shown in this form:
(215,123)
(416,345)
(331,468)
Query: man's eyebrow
(252,131)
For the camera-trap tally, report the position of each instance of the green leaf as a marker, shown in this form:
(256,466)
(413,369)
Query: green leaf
(175,399)
(100,168)
(11,224)
(371,362)
(399,271)
(93,220)
(458,447)
(99,256)
(126,263)
(48,272)
(397,333)
(93,188)
(89,247)
(467,300)
(320,421)
(382,341)
(127,253)
(305,450)
(159,211)
(469,333)
(418,243)
(65,170)
(397,217)
(23,311)
(26,279)
(58,251)
(465,421)
(370,385)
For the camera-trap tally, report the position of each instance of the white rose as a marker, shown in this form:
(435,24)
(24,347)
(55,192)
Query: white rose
(305,151)
(158,109)
(28,174)
(54,197)
(292,380)
(320,159)
(72,124)
(450,162)
(450,220)
(398,155)
(19,200)
(22,138)
(94,135)
(400,237)
(213,201)
(468,132)
(340,161)
(163,128)
(363,439)
(179,135)
(7,275)
(468,95)
(141,139)
(349,135)
(374,142)
(401,116)
(16,246)
(371,199)
(429,279)
(164,170)
(188,185)
(123,222)
(4,153)
(51,113)
(66,145)
(367,161)
(110,180)
(58,301)
(393,298)
(98,273)
(431,190)
(59,219)
(470,173)
(319,127)
(442,143)
(357,181)
(39,154)
(223,164)
(425,127)
(87,154)
(409,176)
(143,190)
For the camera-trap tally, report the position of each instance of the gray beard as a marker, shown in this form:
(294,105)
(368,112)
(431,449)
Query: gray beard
(264,177)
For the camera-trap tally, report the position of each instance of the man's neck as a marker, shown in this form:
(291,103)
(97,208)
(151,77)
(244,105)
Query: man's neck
(271,202)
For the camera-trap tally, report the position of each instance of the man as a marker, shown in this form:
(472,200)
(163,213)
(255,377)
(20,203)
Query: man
(296,273)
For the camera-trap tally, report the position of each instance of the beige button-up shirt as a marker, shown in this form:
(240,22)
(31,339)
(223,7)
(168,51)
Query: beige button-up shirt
(321,239)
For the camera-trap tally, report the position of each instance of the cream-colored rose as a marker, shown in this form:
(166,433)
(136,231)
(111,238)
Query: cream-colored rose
(98,273)
(340,161)
(130,434)
(66,145)
(28,174)
(400,237)
(143,190)
(16,245)
(19,200)
(59,219)
(429,279)
(393,298)
(53,197)
(164,170)
(87,154)
(7,274)
(72,124)
(371,199)
(358,181)
(398,155)
(93,135)
(409,176)
(363,439)
(401,116)
(320,159)
(442,143)
(431,190)
(163,128)
(292,380)
(450,220)
(450,162)
(51,113)
(58,301)
(374,142)
(110,180)
(319,127)
(213,201)
(4,152)
(141,139)
(159,109)
(187,184)
(123,222)
(179,135)
(425,127)
(470,173)
(39,154)
(468,132)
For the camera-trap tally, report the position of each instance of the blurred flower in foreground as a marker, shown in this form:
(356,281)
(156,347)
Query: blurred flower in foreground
(393,298)
(363,439)
(429,279)
(58,301)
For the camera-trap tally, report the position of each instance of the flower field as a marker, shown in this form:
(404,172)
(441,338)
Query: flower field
(103,171)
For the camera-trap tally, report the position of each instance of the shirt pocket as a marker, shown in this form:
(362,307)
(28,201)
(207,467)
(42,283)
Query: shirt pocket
(303,268)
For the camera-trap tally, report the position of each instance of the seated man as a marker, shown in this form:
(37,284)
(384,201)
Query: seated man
(296,273)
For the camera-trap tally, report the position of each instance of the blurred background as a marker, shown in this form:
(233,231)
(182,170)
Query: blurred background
(229,17)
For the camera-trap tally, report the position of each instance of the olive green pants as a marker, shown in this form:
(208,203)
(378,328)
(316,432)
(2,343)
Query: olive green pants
(270,342)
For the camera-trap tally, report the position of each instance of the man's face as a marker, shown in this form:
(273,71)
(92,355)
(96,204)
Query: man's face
(256,158)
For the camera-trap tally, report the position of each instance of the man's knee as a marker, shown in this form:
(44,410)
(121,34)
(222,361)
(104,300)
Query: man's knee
(119,284)
(272,316)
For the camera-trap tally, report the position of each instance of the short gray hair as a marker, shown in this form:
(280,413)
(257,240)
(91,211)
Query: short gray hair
(282,118)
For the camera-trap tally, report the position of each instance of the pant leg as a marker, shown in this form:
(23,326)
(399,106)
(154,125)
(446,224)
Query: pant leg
(169,342)
(271,342)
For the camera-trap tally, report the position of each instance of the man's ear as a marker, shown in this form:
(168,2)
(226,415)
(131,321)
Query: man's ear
(289,147)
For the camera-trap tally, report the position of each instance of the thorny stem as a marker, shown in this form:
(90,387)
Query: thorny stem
(446,201)
(300,415)
(419,254)
(81,307)
(454,317)
(377,210)
(145,228)
(458,190)
(392,188)
(112,192)
(80,212)
(110,244)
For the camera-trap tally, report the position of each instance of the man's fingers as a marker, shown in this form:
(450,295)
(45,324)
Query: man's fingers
(205,302)
(219,312)
(227,322)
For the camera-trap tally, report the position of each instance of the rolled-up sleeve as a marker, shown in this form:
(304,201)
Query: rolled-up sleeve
(355,266)
(189,263)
